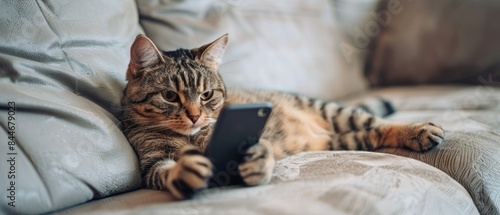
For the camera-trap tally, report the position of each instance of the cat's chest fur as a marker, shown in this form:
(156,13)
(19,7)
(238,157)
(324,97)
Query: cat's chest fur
(202,138)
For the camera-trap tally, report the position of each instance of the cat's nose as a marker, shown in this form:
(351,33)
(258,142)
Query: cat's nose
(193,118)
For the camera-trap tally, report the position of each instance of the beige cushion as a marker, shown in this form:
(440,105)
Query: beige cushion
(470,117)
(315,183)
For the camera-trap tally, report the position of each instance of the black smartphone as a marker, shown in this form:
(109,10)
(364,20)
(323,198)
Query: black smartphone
(238,127)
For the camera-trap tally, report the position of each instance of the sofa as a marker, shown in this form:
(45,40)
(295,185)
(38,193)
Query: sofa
(62,72)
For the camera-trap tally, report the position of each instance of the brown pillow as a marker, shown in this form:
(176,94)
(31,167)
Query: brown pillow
(429,42)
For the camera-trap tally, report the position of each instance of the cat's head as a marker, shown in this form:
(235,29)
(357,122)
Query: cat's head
(178,90)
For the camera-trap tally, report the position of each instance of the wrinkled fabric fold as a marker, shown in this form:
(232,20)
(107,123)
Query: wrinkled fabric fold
(63,64)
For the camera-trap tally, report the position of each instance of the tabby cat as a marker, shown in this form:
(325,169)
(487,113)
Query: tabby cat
(172,100)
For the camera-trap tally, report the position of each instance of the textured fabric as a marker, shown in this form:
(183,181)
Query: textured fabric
(63,64)
(287,45)
(431,41)
(316,183)
(470,117)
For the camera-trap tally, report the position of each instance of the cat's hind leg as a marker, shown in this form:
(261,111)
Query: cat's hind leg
(362,128)
(419,137)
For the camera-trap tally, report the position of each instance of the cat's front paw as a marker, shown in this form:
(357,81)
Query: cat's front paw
(190,174)
(425,136)
(257,166)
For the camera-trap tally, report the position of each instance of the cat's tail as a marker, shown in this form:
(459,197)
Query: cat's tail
(377,106)
(332,111)
(352,117)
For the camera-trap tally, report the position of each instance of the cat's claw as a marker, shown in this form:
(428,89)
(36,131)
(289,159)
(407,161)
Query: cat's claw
(189,175)
(425,136)
(258,164)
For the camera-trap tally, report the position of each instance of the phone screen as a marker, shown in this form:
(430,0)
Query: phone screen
(238,127)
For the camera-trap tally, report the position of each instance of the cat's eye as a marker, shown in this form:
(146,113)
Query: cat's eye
(207,95)
(169,95)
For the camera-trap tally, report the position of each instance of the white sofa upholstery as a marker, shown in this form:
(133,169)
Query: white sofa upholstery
(63,63)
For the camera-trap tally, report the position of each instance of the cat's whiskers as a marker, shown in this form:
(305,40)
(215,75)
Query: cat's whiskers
(229,100)
(151,128)
(134,119)
(122,108)
(210,119)
(224,72)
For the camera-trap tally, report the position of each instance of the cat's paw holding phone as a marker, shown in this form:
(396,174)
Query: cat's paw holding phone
(190,174)
(257,166)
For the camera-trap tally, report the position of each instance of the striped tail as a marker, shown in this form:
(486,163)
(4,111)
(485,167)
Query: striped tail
(378,106)
(352,118)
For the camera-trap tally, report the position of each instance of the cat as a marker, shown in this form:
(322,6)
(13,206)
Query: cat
(172,100)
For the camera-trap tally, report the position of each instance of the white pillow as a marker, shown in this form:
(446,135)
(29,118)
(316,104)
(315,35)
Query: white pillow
(63,64)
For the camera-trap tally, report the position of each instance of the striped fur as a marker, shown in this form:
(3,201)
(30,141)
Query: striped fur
(172,100)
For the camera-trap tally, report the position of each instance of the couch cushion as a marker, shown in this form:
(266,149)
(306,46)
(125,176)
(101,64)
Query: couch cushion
(315,183)
(470,117)
(431,41)
(63,64)
(278,45)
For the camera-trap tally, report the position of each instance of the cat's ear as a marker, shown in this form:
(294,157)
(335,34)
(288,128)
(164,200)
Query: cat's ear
(211,54)
(143,54)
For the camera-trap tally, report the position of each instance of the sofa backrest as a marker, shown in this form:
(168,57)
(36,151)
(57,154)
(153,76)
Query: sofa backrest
(286,45)
(436,42)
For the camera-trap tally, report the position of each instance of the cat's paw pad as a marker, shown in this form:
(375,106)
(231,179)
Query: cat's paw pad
(425,136)
(190,174)
(257,167)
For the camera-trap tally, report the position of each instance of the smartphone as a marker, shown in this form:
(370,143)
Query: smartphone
(238,127)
